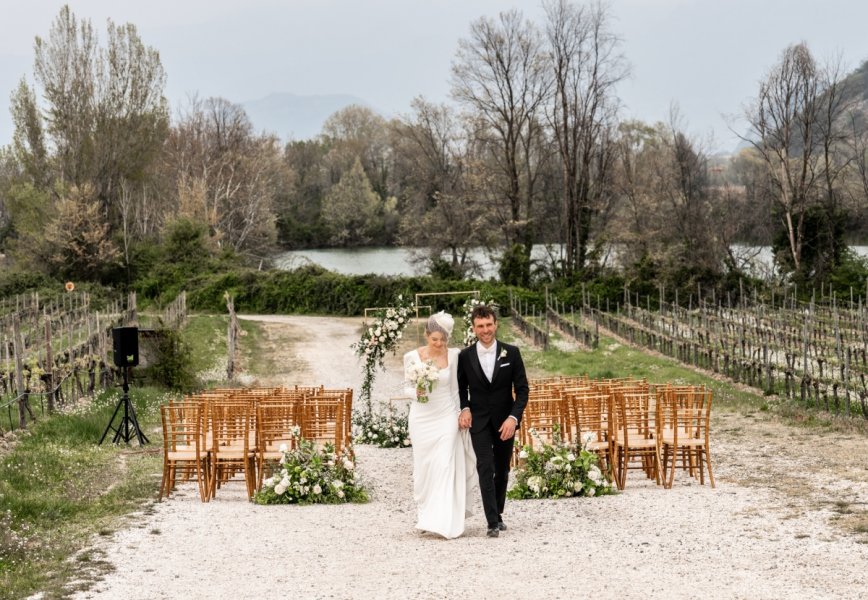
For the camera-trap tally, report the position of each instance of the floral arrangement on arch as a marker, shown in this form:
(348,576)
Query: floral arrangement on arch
(467,309)
(558,470)
(379,338)
(386,429)
(308,475)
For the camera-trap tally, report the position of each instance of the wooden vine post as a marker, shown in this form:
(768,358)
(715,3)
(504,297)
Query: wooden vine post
(17,349)
(49,366)
(232,337)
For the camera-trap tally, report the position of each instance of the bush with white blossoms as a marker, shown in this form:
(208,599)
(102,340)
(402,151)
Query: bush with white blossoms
(379,338)
(308,475)
(386,428)
(558,470)
(469,336)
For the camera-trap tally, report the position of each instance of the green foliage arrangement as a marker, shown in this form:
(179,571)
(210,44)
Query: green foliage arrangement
(386,429)
(558,470)
(308,475)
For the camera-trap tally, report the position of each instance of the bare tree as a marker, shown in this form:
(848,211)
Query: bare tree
(784,121)
(836,103)
(225,175)
(439,216)
(585,67)
(499,75)
(106,113)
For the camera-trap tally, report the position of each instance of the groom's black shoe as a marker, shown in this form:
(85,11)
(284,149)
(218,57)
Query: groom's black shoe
(501,526)
(493,531)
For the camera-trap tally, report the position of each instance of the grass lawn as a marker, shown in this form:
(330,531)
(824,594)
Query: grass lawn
(58,487)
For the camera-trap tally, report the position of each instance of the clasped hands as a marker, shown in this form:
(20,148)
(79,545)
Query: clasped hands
(507,428)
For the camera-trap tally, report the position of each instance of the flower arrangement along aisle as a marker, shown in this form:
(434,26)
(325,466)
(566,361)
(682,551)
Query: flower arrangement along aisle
(558,470)
(381,337)
(467,309)
(384,429)
(308,475)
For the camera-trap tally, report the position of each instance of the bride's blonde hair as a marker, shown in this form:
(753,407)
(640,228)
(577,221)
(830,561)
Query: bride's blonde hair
(442,322)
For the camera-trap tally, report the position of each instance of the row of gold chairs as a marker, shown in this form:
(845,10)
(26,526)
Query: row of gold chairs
(212,436)
(629,423)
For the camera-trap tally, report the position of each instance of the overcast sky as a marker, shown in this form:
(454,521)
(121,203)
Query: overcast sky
(705,55)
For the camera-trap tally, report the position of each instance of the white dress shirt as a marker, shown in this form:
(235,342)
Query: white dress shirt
(487,356)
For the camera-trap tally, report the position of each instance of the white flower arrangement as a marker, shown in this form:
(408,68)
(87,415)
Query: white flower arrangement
(558,470)
(379,338)
(385,428)
(423,376)
(307,475)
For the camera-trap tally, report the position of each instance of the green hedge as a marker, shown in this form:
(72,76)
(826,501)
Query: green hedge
(313,290)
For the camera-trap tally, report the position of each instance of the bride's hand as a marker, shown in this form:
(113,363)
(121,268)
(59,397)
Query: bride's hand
(465,419)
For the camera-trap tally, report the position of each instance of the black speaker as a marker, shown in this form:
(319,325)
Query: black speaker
(126,346)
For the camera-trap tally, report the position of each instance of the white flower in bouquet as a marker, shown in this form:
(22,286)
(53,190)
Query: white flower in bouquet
(571,457)
(279,489)
(406,442)
(578,486)
(522,454)
(317,489)
(592,491)
(283,448)
(423,375)
(595,475)
(268,482)
(348,464)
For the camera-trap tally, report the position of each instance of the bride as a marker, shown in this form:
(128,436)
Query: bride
(444,465)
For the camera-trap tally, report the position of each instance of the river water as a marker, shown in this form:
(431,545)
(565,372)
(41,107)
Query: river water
(396,261)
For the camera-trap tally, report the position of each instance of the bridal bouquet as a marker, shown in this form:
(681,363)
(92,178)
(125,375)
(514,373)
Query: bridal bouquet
(423,375)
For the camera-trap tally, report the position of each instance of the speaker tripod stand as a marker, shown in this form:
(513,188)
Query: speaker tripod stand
(129,424)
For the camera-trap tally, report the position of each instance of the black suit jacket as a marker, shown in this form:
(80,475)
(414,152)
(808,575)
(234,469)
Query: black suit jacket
(494,401)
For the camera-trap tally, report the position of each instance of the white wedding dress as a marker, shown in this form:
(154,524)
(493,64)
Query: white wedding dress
(444,465)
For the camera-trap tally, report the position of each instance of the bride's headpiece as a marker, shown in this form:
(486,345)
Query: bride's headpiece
(442,322)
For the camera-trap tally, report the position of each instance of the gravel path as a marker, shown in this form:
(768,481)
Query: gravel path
(748,538)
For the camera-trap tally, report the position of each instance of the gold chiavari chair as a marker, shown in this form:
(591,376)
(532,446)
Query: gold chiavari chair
(184,450)
(322,421)
(277,425)
(589,414)
(634,435)
(543,414)
(684,414)
(231,448)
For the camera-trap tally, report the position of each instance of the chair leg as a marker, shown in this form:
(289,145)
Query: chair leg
(707,458)
(163,482)
(202,480)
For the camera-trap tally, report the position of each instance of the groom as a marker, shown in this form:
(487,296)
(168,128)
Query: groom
(489,374)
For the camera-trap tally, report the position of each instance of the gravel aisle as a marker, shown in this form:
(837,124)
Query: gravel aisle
(687,542)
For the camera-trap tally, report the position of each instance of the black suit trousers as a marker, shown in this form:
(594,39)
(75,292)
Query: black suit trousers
(493,456)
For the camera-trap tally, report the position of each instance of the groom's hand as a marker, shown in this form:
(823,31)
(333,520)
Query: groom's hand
(465,420)
(507,430)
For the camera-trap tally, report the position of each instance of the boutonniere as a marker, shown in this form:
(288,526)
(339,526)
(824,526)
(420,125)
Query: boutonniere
(502,353)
